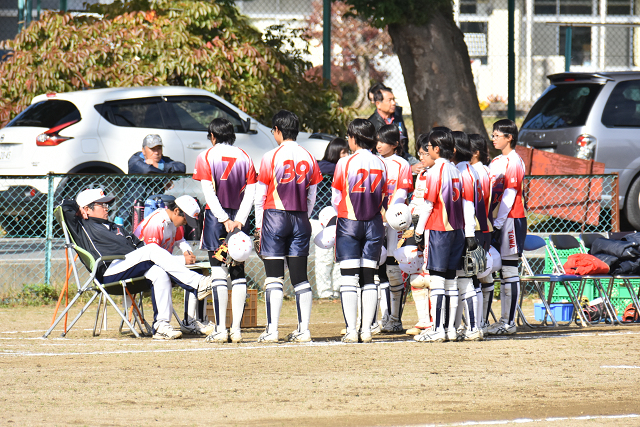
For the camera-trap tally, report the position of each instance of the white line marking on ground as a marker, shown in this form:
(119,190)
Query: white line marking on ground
(619,367)
(126,341)
(531,420)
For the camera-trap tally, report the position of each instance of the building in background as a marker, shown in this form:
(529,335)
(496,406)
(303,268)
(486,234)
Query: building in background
(540,32)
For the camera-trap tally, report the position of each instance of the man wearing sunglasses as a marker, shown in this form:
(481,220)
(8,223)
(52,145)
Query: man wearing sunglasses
(87,219)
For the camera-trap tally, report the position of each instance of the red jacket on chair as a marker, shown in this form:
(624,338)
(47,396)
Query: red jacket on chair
(585,264)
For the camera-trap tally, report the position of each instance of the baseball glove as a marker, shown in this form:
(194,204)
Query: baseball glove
(475,261)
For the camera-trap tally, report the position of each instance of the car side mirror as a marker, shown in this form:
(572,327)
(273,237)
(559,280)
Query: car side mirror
(250,126)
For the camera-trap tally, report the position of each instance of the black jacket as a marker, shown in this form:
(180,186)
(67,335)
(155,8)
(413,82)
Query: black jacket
(98,236)
(138,166)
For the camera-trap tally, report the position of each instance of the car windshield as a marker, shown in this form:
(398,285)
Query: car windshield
(47,114)
(562,106)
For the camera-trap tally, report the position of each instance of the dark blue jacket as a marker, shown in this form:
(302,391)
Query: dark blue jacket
(138,166)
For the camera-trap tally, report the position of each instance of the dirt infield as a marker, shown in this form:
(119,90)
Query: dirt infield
(118,380)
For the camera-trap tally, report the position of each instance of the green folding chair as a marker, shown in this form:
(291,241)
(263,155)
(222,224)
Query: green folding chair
(93,286)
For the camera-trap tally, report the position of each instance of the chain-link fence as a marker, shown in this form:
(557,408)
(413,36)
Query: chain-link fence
(32,244)
(576,203)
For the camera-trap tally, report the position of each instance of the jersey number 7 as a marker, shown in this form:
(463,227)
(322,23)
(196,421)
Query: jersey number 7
(360,188)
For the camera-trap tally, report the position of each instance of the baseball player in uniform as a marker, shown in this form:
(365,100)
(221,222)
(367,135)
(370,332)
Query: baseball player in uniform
(420,282)
(399,185)
(164,227)
(508,216)
(359,191)
(442,214)
(484,286)
(228,179)
(285,195)
(473,204)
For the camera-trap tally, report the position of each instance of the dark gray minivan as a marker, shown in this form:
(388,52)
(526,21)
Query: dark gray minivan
(593,116)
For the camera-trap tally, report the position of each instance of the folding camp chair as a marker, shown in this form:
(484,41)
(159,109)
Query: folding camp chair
(623,278)
(533,243)
(97,289)
(566,242)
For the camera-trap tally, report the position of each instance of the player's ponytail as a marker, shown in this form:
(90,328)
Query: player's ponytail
(463,151)
(479,145)
(363,132)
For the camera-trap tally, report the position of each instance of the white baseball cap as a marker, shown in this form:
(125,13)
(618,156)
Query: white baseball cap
(92,195)
(191,209)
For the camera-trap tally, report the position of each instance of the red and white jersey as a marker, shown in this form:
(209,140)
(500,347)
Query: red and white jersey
(361,179)
(288,171)
(417,199)
(229,169)
(157,228)
(444,190)
(507,172)
(399,175)
(472,191)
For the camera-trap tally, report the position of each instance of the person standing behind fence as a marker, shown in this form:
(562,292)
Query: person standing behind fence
(326,270)
(387,112)
(165,228)
(359,194)
(508,216)
(228,179)
(147,161)
(285,196)
(484,286)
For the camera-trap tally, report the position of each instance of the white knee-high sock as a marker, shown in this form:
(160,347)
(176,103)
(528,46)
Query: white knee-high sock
(238,299)
(479,308)
(304,300)
(385,301)
(273,301)
(220,295)
(369,304)
(349,300)
(190,307)
(396,289)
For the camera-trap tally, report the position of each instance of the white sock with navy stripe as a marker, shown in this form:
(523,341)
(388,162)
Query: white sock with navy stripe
(273,301)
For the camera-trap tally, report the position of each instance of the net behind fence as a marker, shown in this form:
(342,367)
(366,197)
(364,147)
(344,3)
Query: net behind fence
(32,244)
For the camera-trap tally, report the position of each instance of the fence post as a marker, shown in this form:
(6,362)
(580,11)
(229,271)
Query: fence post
(49,243)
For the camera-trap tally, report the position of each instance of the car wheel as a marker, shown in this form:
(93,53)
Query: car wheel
(632,204)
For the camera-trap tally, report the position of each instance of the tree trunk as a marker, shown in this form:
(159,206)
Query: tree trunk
(437,73)
(362,82)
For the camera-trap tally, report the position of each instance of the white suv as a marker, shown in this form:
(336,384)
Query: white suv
(97,131)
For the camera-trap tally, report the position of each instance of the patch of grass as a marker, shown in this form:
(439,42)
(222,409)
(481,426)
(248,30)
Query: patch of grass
(33,294)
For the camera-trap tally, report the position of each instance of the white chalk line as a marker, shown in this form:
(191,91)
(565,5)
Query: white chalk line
(619,367)
(531,420)
(240,347)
